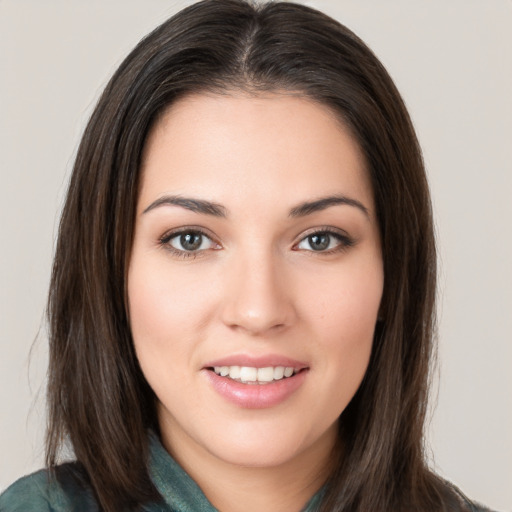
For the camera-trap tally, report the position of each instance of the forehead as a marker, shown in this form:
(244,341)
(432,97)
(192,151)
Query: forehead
(242,146)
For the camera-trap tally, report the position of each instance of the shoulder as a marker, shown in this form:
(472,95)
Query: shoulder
(63,490)
(477,507)
(29,493)
(470,506)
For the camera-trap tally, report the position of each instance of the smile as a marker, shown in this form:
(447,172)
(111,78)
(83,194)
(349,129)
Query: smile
(256,382)
(253,375)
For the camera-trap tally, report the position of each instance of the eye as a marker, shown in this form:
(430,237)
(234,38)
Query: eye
(188,241)
(325,241)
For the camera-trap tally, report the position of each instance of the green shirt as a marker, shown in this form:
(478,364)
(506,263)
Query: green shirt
(38,493)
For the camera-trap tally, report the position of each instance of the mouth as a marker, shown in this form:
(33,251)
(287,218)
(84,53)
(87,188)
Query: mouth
(256,381)
(254,375)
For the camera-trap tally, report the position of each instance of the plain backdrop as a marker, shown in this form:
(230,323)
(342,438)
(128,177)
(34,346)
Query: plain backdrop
(452,61)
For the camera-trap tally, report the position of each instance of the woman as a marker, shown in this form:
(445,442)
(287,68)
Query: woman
(241,307)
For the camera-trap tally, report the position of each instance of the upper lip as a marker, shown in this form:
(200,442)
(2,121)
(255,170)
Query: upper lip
(263,361)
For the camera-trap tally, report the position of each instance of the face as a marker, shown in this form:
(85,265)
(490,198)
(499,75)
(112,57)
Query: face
(255,276)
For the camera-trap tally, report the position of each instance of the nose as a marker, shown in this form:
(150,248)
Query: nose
(258,297)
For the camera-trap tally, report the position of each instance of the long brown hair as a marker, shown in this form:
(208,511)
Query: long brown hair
(98,398)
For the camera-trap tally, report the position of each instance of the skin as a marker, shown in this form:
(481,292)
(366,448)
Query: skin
(254,287)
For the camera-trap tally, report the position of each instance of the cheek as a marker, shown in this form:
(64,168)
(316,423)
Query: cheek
(150,315)
(344,318)
(167,312)
(163,302)
(165,317)
(346,302)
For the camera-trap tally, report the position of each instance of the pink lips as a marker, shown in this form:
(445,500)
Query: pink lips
(256,396)
(256,361)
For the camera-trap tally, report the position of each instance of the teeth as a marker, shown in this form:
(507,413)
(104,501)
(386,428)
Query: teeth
(250,374)
(234,372)
(266,374)
(278,372)
(288,372)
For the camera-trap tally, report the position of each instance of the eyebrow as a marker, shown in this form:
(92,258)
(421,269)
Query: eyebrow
(322,203)
(217,210)
(194,205)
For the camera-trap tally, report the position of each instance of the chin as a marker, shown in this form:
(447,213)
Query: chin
(257,456)
(257,448)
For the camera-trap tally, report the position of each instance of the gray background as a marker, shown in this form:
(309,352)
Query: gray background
(451,59)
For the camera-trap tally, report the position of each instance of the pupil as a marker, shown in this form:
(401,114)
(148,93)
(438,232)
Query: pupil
(319,241)
(191,241)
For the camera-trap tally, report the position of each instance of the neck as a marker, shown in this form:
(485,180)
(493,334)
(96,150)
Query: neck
(285,487)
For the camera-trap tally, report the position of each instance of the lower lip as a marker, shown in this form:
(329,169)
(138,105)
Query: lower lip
(256,396)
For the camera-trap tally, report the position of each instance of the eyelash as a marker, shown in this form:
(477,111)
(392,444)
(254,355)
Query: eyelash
(165,240)
(344,241)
